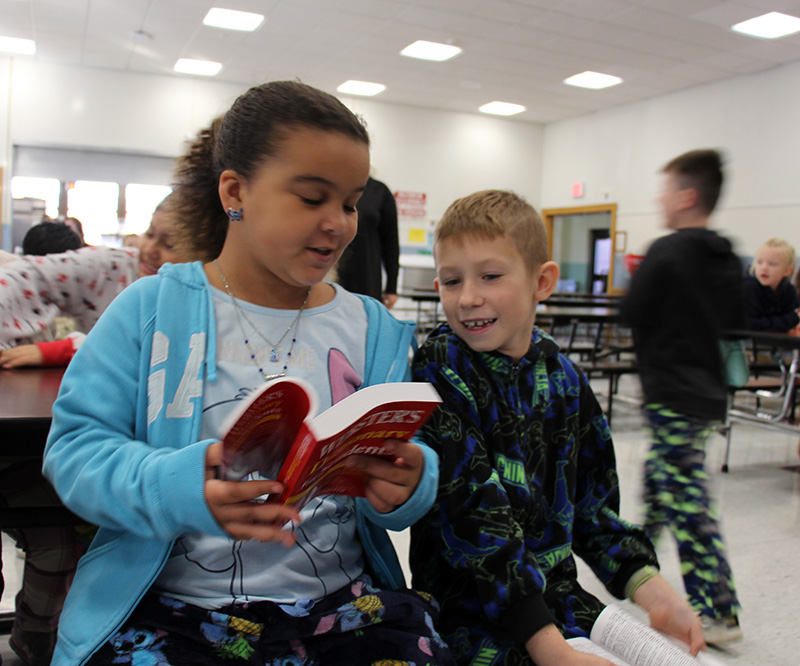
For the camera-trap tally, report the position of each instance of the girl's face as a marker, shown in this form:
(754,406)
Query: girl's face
(771,267)
(156,246)
(299,212)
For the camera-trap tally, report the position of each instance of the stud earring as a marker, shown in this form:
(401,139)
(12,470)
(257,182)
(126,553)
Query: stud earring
(236,215)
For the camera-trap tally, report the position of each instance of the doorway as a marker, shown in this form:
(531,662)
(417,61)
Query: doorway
(599,261)
(580,240)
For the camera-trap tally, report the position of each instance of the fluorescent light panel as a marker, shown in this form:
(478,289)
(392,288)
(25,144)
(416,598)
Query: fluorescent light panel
(201,67)
(593,80)
(502,108)
(430,51)
(769,26)
(230,19)
(17,45)
(361,88)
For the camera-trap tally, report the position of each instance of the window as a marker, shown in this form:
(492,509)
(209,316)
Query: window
(140,202)
(47,189)
(95,204)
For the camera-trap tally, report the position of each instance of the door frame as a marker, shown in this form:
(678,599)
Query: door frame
(549,214)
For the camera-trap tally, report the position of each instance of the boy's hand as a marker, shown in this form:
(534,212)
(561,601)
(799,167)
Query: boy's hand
(391,483)
(670,613)
(23,355)
(547,647)
(230,504)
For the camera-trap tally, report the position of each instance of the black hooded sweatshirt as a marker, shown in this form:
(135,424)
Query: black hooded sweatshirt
(684,295)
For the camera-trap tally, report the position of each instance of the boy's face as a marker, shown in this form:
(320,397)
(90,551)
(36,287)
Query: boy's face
(488,295)
(771,267)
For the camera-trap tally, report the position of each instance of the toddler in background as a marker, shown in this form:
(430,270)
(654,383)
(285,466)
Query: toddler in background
(770,297)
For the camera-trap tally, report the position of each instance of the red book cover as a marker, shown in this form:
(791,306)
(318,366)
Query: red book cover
(276,434)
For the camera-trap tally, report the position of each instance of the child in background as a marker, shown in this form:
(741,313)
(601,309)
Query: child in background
(187,568)
(158,247)
(770,297)
(527,474)
(50,238)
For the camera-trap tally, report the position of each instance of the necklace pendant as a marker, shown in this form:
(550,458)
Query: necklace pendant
(273,356)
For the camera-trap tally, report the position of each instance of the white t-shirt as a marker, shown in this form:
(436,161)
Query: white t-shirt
(212,572)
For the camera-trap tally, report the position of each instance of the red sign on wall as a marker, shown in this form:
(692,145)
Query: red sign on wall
(411,204)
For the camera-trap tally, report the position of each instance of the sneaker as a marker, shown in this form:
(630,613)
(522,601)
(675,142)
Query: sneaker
(719,630)
(32,647)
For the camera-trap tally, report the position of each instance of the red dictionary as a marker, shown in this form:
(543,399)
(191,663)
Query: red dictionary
(276,435)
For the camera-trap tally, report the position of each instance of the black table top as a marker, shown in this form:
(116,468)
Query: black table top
(771,338)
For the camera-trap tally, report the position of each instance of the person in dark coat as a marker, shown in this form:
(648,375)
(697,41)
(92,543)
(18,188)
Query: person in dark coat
(375,249)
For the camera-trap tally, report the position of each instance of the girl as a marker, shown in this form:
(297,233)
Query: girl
(187,568)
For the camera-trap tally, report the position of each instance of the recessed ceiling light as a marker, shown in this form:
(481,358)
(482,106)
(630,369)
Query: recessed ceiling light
(502,108)
(201,67)
(431,51)
(361,88)
(230,19)
(593,80)
(16,45)
(769,26)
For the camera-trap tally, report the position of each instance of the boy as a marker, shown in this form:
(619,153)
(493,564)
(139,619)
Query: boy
(682,298)
(770,296)
(527,469)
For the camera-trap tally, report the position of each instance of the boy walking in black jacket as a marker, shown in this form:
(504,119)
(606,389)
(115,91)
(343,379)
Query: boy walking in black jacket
(682,298)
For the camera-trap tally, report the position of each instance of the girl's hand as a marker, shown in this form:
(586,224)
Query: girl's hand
(230,502)
(391,483)
(547,647)
(23,355)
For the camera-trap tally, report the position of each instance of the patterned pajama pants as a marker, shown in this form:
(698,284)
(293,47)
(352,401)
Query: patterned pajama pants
(676,496)
(359,626)
(51,553)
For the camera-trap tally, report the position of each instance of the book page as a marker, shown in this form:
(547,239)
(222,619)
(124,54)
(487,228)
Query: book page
(349,410)
(259,433)
(641,645)
(585,645)
(359,424)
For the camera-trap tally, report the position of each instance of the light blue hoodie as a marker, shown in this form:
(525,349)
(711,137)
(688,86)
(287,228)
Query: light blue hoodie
(123,450)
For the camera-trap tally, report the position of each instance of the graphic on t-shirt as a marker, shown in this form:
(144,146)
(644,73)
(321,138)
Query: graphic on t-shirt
(327,521)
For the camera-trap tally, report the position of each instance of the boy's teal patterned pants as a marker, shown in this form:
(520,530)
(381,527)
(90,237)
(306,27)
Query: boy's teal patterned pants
(676,496)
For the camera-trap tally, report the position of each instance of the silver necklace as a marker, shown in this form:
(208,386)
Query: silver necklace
(274,356)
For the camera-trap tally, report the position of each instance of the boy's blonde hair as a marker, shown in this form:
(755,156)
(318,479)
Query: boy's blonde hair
(493,213)
(781,246)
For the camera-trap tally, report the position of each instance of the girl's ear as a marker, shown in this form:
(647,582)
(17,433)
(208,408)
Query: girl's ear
(547,280)
(230,189)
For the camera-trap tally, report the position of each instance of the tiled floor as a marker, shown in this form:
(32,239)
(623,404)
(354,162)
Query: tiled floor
(760,503)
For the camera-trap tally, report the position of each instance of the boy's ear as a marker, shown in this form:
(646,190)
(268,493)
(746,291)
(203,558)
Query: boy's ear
(436,284)
(230,189)
(688,198)
(547,280)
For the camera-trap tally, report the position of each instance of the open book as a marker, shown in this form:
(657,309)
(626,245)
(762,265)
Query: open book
(625,640)
(276,434)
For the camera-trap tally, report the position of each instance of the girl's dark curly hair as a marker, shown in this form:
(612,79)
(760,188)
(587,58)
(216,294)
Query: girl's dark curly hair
(243,140)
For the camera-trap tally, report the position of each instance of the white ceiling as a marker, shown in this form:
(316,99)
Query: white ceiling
(514,50)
